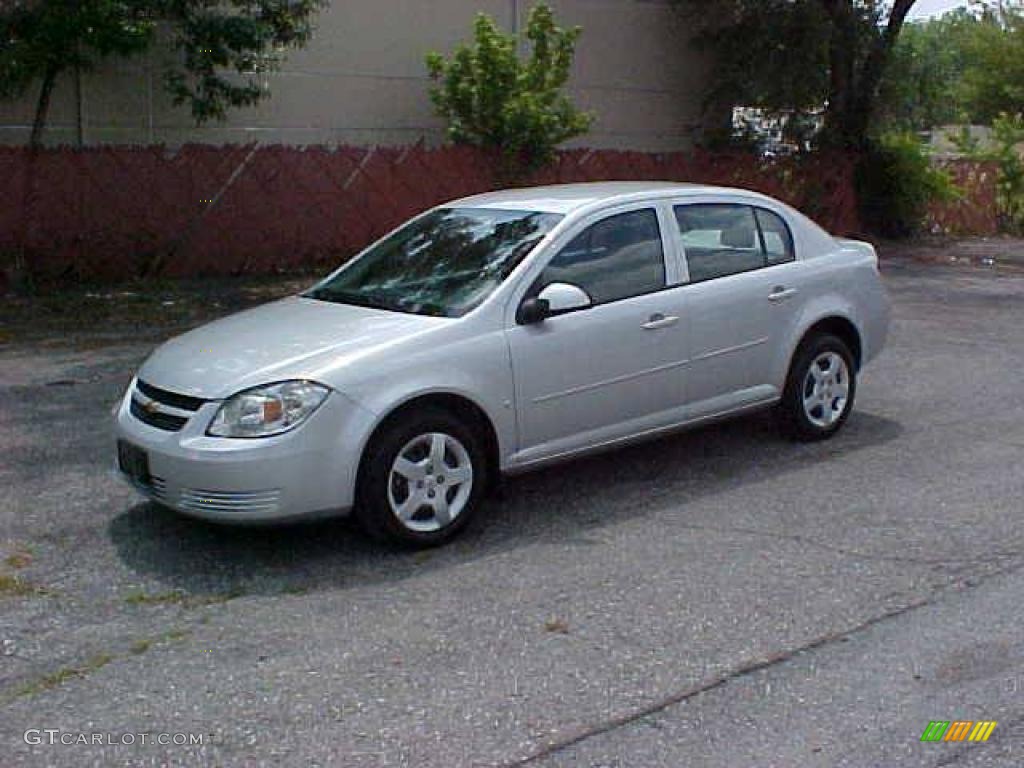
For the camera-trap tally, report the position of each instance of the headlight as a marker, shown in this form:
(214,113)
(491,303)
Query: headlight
(269,410)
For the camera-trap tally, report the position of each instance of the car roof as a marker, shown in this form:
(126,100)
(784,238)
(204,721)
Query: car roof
(567,198)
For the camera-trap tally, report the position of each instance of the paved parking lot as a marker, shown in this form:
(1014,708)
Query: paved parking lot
(719,598)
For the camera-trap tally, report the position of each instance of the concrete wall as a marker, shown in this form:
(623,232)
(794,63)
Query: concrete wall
(362,80)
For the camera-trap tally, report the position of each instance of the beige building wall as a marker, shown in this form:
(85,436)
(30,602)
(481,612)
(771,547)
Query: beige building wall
(362,80)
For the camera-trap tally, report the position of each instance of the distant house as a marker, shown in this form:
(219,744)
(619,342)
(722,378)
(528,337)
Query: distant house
(776,132)
(362,80)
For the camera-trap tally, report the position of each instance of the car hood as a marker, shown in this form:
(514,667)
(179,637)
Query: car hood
(295,338)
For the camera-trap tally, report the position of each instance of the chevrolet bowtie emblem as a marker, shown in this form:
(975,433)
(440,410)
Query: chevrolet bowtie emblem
(151,407)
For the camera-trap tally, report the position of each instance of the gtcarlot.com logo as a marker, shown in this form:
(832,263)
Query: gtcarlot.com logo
(958,730)
(37,736)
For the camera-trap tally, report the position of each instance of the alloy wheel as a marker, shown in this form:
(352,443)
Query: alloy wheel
(826,389)
(430,482)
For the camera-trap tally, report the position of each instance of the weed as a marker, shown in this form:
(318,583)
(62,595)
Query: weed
(12,586)
(557,626)
(19,559)
(164,598)
(61,676)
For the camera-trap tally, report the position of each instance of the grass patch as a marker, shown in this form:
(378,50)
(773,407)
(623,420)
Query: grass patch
(100,660)
(12,586)
(177,635)
(164,598)
(61,676)
(20,559)
(177,597)
(144,644)
(232,594)
(155,306)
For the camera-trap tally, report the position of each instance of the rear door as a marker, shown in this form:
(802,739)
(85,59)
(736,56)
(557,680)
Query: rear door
(742,289)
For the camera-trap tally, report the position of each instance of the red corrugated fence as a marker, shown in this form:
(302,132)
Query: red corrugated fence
(109,212)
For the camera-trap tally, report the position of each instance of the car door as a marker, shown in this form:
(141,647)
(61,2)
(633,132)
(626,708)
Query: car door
(741,290)
(613,368)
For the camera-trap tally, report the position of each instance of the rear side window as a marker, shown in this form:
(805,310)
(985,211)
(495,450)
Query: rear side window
(614,259)
(719,240)
(723,239)
(778,240)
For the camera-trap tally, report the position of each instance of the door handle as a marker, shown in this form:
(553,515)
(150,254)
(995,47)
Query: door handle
(781,293)
(659,320)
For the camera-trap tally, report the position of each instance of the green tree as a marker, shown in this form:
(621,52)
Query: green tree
(493,99)
(42,39)
(45,38)
(802,55)
(967,66)
(994,76)
(923,85)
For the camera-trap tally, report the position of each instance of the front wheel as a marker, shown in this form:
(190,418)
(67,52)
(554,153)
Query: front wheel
(423,480)
(819,390)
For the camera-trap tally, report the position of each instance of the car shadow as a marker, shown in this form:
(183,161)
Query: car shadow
(561,504)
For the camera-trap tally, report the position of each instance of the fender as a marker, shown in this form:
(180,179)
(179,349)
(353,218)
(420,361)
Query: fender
(490,388)
(814,311)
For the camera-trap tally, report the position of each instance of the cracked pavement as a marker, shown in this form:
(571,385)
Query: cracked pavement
(716,598)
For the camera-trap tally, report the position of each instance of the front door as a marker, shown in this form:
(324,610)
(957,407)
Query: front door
(611,369)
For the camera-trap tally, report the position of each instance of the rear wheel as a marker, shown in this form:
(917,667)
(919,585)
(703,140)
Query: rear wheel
(819,390)
(423,479)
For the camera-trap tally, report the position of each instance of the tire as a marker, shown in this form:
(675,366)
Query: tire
(815,406)
(403,497)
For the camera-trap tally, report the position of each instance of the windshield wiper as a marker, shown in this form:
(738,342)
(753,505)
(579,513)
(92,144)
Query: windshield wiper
(352,297)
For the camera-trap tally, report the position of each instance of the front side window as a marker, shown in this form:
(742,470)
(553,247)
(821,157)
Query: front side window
(616,258)
(444,263)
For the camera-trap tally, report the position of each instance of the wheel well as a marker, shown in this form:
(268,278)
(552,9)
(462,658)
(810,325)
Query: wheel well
(459,406)
(844,329)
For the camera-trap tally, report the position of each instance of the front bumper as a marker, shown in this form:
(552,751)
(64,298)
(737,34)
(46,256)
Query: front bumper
(307,472)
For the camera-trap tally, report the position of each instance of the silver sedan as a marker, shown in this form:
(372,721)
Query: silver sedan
(499,333)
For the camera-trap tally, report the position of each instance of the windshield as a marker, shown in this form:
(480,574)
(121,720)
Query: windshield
(443,263)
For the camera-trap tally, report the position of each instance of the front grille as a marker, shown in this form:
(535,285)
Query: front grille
(157,406)
(173,399)
(165,421)
(227,502)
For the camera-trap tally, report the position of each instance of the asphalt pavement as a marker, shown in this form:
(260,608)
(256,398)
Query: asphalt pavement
(717,598)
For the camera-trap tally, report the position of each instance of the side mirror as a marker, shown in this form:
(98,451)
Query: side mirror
(533,311)
(555,299)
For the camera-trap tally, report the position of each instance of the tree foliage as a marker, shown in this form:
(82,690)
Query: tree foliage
(43,39)
(492,98)
(923,85)
(897,182)
(802,55)
(248,37)
(967,66)
(994,78)
(222,44)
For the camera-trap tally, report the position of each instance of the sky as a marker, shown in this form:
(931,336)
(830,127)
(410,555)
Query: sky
(924,8)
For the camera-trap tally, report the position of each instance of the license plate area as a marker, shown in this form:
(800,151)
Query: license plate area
(133,461)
